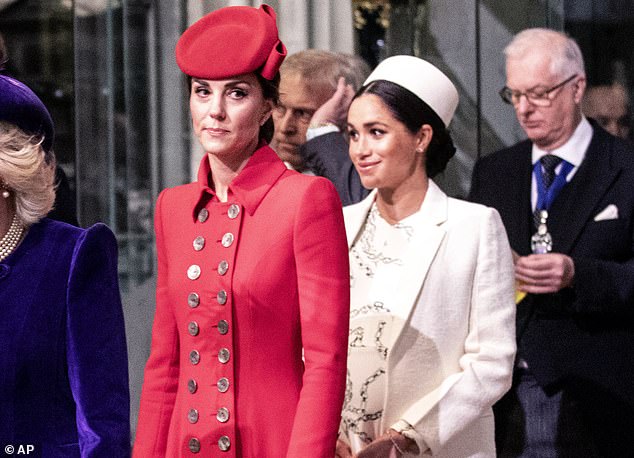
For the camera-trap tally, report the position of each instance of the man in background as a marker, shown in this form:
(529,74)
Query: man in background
(565,197)
(309,79)
(609,105)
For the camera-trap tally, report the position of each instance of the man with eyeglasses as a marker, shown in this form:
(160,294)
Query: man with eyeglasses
(566,196)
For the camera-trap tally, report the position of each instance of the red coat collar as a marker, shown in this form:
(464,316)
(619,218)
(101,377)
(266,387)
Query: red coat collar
(259,175)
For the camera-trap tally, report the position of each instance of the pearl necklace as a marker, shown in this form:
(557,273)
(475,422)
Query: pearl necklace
(10,241)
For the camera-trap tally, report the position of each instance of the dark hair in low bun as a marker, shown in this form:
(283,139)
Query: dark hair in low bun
(270,91)
(409,109)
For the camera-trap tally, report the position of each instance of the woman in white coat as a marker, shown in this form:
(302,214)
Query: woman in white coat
(432,320)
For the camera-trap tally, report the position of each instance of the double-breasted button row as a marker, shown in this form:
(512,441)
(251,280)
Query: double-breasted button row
(221,297)
(192,385)
(224,444)
(194,357)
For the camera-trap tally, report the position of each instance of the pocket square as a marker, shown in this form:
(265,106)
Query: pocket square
(609,212)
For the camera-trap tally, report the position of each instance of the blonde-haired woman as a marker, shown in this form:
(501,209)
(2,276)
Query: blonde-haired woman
(63,385)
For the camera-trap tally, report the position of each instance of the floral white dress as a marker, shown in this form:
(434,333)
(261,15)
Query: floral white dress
(376,261)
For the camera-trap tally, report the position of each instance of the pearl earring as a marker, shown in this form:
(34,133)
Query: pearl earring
(5,194)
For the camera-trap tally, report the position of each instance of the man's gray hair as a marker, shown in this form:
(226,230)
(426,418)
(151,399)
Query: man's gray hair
(565,56)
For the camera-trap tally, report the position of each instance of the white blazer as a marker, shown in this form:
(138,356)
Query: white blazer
(453,357)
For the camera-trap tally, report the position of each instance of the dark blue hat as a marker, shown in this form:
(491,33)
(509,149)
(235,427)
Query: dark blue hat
(20,106)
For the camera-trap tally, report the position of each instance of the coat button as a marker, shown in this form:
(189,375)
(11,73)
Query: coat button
(223,327)
(223,384)
(203,214)
(192,386)
(193,300)
(193,328)
(223,355)
(194,445)
(222,415)
(234,211)
(192,416)
(223,266)
(199,243)
(221,297)
(224,443)
(194,357)
(193,272)
(227,239)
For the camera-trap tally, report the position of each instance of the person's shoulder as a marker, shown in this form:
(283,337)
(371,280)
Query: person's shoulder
(509,154)
(468,210)
(301,182)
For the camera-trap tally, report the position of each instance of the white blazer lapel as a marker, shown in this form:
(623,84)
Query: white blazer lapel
(424,244)
(355,215)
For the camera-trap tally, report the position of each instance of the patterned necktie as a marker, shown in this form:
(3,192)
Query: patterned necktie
(549,163)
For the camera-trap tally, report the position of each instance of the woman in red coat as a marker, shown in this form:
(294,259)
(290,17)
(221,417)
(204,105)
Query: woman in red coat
(248,353)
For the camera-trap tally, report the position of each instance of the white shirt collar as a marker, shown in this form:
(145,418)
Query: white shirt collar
(574,150)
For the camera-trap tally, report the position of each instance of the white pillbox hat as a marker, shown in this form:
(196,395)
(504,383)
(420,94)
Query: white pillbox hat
(421,78)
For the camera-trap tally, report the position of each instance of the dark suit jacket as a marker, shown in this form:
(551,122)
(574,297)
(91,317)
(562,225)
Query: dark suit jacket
(327,156)
(585,332)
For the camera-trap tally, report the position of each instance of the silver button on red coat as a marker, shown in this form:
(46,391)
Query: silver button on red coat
(222,415)
(223,384)
(192,416)
(199,243)
(234,211)
(193,300)
(221,297)
(203,214)
(223,266)
(194,357)
(192,386)
(194,445)
(223,327)
(227,240)
(193,272)
(193,328)
(223,355)
(224,443)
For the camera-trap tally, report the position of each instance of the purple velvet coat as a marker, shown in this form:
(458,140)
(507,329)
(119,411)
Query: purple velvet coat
(63,360)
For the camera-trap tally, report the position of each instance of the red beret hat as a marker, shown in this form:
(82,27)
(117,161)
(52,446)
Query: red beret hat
(232,41)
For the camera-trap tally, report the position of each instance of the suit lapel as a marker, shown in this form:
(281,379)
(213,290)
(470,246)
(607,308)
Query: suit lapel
(424,244)
(519,191)
(578,200)
(427,237)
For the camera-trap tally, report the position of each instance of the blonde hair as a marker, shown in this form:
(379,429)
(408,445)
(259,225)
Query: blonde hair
(25,172)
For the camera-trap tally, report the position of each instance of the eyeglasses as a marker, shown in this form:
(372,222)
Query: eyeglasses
(538,97)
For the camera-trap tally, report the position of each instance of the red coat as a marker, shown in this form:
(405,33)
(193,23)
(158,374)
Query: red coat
(272,279)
